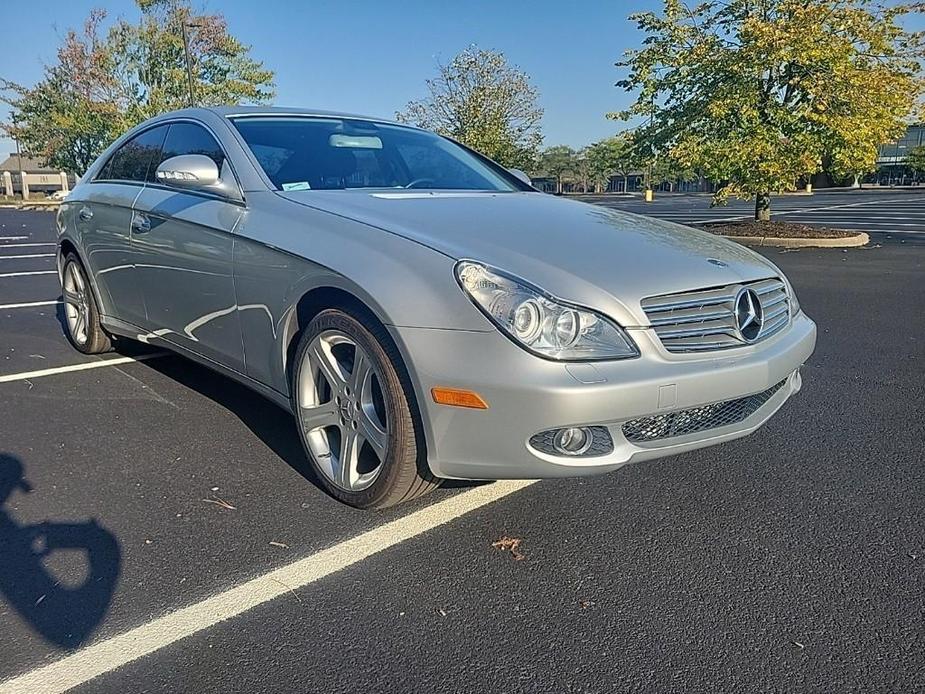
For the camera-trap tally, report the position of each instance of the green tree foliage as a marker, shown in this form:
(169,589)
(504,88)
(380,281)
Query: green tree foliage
(915,160)
(107,80)
(557,161)
(615,156)
(484,103)
(757,93)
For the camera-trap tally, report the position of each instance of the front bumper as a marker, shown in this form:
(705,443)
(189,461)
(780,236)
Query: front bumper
(527,395)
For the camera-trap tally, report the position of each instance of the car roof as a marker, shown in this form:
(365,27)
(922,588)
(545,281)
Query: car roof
(232,111)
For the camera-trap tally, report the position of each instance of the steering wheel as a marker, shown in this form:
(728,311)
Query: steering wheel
(415,182)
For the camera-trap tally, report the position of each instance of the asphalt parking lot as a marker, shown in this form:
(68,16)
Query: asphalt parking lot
(791,560)
(888,215)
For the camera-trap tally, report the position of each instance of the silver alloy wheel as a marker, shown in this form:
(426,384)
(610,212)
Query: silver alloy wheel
(343,411)
(76,303)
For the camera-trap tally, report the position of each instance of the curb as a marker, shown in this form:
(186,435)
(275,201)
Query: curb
(860,239)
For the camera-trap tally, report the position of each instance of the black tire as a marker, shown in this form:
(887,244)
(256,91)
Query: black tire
(94,339)
(404,473)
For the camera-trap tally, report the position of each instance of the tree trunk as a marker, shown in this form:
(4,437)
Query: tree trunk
(763,207)
(626,183)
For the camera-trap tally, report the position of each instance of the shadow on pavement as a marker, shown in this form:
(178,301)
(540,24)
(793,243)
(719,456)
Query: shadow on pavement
(61,611)
(270,423)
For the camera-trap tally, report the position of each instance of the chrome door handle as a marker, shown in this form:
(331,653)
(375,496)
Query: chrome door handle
(86,214)
(140,222)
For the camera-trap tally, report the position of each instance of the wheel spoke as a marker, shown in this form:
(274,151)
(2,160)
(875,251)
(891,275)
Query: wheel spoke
(321,359)
(70,297)
(315,416)
(349,458)
(78,279)
(79,326)
(373,434)
(359,375)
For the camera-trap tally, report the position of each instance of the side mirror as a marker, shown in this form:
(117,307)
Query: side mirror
(195,171)
(521,176)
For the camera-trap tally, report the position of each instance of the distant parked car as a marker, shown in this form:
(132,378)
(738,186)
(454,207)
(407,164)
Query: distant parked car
(59,195)
(422,311)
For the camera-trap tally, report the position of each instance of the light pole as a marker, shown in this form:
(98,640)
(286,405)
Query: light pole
(189,63)
(649,191)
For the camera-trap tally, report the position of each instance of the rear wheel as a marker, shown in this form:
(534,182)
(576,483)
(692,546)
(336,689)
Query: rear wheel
(81,314)
(354,411)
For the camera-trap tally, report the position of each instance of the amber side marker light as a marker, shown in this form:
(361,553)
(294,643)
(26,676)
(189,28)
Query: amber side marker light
(458,398)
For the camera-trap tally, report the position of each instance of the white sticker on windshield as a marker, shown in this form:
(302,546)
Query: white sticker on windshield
(298,185)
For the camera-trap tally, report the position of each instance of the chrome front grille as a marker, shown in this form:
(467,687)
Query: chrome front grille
(695,419)
(705,320)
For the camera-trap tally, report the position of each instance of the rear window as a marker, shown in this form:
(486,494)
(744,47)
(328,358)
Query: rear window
(299,153)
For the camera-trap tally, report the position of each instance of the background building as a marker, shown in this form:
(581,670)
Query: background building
(891,159)
(42,180)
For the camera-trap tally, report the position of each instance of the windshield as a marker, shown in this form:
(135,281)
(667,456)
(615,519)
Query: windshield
(299,153)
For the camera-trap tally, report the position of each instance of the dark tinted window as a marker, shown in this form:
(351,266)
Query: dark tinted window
(189,138)
(335,153)
(133,160)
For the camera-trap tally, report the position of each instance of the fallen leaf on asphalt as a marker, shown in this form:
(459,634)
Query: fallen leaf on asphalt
(798,645)
(279,544)
(509,544)
(221,502)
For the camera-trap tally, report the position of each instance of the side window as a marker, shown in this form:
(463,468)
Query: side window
(133,160)
(189,138)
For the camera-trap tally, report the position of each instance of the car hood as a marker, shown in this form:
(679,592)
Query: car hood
(586,254)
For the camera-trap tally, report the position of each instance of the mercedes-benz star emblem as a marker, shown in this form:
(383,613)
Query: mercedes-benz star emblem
(748,314)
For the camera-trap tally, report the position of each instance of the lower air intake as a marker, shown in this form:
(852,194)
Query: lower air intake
(695,419)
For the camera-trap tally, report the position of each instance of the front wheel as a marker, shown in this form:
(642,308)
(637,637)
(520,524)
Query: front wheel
(81,314)
(354,412)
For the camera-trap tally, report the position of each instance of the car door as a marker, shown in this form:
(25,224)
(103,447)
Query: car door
(183,242)
(103,222)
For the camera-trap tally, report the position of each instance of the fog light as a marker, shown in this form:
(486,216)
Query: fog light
(573,441)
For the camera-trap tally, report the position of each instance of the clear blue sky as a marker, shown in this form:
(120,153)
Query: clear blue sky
(371,57)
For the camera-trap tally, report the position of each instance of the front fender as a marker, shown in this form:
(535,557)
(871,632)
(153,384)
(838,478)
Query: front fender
(283,251)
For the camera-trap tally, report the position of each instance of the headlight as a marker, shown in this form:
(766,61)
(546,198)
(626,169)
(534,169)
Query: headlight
(540,323)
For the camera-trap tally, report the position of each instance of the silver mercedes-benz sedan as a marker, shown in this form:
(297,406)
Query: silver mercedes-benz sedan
(423,312)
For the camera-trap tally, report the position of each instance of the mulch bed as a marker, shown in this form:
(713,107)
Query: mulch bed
(775,229)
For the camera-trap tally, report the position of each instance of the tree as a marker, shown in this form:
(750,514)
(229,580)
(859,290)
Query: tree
(599,164)
(915,159)
(557,161)
(483,102)
(757,93)
(613,156)
(105,82)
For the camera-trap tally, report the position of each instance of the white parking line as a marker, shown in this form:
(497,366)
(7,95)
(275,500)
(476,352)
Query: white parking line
(40,373)
(23,274)
(31,304)
(25,245)
(27,255)
(12,238)
(106,656)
